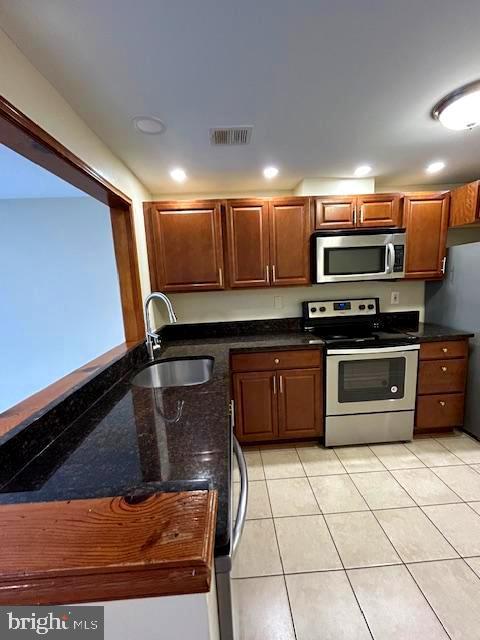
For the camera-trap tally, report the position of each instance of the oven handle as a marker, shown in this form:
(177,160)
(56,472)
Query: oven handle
(242,503)
(347,352)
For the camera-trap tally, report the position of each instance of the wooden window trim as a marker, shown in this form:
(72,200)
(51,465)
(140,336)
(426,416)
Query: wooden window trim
(23,135)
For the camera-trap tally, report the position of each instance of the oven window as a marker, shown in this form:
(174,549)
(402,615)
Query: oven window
(354,260)
(376,379)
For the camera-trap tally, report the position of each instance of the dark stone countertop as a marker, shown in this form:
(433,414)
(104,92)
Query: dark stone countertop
(136,440)
(430,332)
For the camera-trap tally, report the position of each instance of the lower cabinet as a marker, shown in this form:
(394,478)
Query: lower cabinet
(442,374)
(278,404)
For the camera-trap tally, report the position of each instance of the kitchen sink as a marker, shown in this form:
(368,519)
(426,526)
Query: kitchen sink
(178,372)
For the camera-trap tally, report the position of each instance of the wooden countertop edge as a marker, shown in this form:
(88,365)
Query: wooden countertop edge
(168,539)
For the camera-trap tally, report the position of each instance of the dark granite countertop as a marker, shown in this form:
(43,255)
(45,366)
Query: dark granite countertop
(136,440)
(430,332)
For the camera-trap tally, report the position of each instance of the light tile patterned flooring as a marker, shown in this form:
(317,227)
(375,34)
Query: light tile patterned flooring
(362,542)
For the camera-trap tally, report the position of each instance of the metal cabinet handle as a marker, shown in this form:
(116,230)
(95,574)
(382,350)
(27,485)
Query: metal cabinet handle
(445,350)
(274,277)
(243,500)
(220,276)
(267,273)
(444,369)
(281,384)
(442,403)
(275,385)
(444,264)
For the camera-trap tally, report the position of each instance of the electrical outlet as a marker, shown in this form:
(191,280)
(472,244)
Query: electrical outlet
(395,297)
(278,302)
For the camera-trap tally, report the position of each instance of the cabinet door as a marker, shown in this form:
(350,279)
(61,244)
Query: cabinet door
(300,403)
(255,396)
(290,229)
(465,204)
(426,221)
(335,212)
(248,243)
(379,210)
(184,243)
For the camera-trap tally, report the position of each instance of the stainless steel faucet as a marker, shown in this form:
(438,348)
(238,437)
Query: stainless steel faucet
(153,340)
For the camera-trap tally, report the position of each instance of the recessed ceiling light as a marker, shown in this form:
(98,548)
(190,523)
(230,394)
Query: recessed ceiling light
(149,125)
(178,174)
(362,170)
(435,167)
(270,172)
(460,109)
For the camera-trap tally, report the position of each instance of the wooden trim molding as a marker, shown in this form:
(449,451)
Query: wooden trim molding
(107,548)
(20,133)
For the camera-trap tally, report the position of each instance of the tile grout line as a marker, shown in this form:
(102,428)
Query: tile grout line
(341,561)
(281,563)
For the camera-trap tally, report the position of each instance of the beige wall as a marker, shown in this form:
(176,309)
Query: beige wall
(30,92)
(285,302)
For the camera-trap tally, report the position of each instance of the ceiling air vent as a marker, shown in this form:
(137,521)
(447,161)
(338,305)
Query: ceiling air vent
(230,135)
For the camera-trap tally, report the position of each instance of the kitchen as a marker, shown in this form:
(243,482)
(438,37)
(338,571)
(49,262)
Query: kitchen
(327,323)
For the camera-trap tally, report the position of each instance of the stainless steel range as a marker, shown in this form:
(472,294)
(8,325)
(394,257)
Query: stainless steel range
(371,373)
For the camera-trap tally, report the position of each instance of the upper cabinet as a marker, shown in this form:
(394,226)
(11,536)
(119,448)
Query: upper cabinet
(426,222)
(348,212)
(268,242)
(248,243)
(185,249)
(465,204)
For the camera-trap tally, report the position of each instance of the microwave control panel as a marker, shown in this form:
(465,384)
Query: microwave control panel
(398,265)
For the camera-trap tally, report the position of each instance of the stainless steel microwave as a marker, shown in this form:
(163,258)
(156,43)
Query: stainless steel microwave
(360,254)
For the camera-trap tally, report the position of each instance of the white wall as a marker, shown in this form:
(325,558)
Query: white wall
(60,296)
(29,91)
(285,302)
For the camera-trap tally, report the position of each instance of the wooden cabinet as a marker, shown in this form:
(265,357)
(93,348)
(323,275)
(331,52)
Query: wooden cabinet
(280,403)
(379,210)
(248,243)
(348,212)
(255,406)
(185,249)
(268,242)
(442,374)
(426,222)
(465,204)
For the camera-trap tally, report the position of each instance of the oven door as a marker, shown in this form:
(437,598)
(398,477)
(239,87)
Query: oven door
(371,380)
(346,257)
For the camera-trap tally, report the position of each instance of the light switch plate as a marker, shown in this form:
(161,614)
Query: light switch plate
(278,302)
(395,297)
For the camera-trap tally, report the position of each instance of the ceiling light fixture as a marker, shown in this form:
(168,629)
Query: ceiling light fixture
(435,167)
(362,171)
(460,109)
(178,174)
(149,124)
(270,172)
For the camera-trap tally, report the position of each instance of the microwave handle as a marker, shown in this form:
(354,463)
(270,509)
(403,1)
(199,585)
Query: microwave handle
(390,257)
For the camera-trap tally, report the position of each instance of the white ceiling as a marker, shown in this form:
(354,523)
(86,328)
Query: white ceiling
(20,178)
(327,84)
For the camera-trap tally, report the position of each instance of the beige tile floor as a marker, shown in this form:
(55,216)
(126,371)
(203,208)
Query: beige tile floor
(361,542)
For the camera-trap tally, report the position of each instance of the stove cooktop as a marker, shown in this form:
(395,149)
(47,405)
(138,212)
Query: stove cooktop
(358,339)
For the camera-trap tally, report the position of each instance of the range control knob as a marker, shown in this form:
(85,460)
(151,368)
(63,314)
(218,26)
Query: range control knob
(371,306)
(313,309)
(361,307)
(322,309)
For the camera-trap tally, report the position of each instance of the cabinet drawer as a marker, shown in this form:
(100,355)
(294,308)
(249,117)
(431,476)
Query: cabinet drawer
(443,350)
(444,410)
(274,360)
(442,376)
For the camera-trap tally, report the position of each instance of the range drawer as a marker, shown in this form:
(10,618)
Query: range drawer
(444,410)
(273,360)
(443,350)
(442,376)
